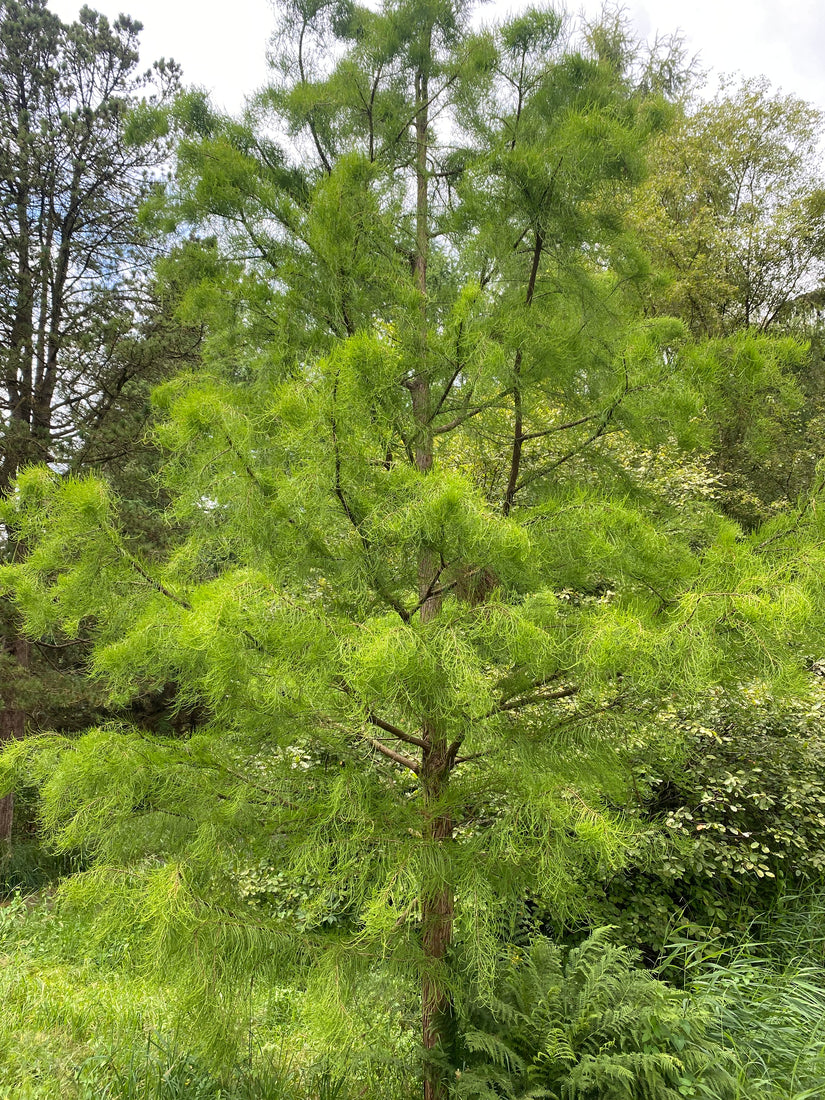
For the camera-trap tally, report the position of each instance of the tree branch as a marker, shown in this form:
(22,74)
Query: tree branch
(467,414)
(599,432)
(472,756)
(157,585)
(388,727)
(530,700)
(569,721)
(809,503)
(518,437)
(560,427)
(399,608)
(381,724)
(391,754)
(431,590)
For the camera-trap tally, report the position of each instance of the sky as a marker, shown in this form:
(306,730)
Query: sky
(225,52)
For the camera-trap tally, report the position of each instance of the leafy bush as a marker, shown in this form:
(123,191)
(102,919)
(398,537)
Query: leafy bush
(750,798)
(585,1023)
(740,789)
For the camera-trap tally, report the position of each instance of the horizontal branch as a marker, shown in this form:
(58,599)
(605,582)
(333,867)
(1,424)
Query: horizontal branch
(472,756)
(388,727)
(391,754)
(542,681)
(560,427)
(468,414)
(570,720)
(531,700)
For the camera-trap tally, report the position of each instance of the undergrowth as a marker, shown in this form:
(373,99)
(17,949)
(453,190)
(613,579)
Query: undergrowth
(765,997)
(723,1020)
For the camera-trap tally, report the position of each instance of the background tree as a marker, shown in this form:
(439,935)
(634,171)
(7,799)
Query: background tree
(734,208)
(75,166)
(733,215)
(76,159)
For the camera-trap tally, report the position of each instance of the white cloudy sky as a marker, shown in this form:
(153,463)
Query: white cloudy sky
(222,45)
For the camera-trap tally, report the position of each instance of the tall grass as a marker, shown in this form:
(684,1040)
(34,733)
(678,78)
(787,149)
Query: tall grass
(88,1028)
(766,998)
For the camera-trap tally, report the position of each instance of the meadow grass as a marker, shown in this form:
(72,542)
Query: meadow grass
(766,997)
(77,1027)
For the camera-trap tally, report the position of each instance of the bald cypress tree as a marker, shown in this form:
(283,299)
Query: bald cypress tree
(434,566)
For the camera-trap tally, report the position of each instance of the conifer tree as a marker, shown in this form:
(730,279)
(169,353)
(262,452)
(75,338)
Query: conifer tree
(428,578)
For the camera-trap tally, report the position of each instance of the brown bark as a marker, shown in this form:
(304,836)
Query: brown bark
(436,913)
(17,444)
(436,762)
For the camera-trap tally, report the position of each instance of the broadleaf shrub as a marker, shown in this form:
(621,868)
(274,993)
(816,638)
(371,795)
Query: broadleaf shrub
(734,796)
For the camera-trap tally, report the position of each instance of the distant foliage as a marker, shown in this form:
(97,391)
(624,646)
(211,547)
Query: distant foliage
(741,797)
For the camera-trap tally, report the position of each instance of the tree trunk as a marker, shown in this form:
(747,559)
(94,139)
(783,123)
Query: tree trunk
(437,829)
(518,422)
(436,915)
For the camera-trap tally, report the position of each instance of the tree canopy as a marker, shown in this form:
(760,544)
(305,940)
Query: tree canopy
(83,141)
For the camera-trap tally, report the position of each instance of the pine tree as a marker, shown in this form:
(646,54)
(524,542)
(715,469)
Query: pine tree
(427,578)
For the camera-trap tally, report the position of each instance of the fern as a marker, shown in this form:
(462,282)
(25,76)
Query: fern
(585,1023)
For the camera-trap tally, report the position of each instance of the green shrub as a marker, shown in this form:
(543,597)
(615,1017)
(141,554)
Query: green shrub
(584,1023)
(739,787)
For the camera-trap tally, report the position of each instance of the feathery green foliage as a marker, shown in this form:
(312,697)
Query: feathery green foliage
(584,1023)
(424,584)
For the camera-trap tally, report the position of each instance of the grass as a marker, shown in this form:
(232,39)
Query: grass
(88,1028)
(766,998)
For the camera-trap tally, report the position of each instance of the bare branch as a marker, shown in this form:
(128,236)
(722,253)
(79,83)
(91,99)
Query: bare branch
(388,727)
(432,590)
(599,432)
(391,754)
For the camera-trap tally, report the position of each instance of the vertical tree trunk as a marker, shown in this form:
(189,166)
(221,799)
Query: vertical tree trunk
(19,383)
(437,831)
(518,421)
(436,913)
